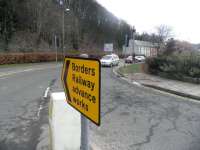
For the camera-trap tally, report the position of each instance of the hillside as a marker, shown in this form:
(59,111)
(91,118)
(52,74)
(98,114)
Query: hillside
(32,25)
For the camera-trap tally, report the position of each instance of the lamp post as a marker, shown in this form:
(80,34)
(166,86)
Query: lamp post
(133,31)
(63,29)
(55,42)
(62,4)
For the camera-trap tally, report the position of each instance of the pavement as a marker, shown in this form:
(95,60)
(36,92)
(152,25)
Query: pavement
(175,87)
(171,86)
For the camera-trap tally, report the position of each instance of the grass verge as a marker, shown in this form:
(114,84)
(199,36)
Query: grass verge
(133,68)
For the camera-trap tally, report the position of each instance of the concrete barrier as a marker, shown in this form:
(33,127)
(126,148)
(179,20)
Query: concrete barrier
(65,125)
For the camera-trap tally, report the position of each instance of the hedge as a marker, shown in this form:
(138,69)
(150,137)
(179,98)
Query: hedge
(18,58)
(184,68)
(34,57)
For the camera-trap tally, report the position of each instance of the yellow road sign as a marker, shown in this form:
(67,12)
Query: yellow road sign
(81,78)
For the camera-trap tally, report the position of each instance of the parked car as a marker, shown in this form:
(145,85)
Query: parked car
(140,58)
(110,60)
(84,55)
(129,59)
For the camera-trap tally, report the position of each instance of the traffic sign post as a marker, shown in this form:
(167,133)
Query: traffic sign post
(81,78)
(84,133)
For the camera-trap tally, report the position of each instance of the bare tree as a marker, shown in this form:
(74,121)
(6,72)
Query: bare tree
(163,32)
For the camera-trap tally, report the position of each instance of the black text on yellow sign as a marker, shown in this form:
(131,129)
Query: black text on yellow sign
(82,83)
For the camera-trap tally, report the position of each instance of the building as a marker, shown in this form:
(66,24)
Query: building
(137,47)
(145,48)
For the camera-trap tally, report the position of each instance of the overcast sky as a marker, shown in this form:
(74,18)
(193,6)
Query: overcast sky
(182,15)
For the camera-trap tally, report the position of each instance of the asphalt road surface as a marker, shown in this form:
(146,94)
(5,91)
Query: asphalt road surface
(135,118)
(23,107)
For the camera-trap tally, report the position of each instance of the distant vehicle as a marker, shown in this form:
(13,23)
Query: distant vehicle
(139,58)
(129,59)
(110,60)
(84,55)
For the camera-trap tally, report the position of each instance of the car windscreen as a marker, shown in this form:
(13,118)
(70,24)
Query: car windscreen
(129,57)
(107,57)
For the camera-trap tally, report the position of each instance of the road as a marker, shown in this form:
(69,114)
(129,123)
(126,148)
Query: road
(137,118)
(23,108)
(133,118)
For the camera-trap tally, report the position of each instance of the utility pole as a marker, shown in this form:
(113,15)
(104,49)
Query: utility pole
(126,43)
(62,4)
(56,48)
(63,30)
(133,37)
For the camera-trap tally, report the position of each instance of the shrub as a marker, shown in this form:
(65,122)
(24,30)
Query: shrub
(176,66)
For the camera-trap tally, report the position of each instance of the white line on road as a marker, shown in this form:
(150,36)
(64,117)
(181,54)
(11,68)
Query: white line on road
(46,92)
(39,109)
(136,83)
(26,70)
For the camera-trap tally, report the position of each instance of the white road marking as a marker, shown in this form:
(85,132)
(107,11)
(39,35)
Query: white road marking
(9,73)
(46,92)
(39,109)
(136,83)
(26,70)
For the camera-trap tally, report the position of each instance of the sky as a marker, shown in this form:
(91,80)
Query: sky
(181,15)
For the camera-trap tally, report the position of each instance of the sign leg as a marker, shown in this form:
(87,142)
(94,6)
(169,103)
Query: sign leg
(84,133)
